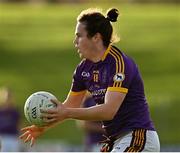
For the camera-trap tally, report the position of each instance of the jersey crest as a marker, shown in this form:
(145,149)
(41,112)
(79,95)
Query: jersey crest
(119,77)
(96,76)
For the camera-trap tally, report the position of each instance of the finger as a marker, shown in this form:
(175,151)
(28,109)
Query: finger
(32,141)
(49,111)
(43,115)
(55,101)
(28,138)
(49,120)
(24,135)
(26,128)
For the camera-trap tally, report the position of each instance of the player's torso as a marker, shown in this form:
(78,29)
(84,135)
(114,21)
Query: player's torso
(97,77)
(96,80)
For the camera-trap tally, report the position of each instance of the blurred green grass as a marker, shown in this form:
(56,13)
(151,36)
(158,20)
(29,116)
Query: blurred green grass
(37,53)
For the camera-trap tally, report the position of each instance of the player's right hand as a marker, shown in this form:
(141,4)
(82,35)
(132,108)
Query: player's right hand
(31,133)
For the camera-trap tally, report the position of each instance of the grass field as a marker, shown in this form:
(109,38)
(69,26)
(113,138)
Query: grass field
(37,53)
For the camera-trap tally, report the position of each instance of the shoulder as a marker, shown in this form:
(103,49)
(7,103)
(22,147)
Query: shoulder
(114,54)
(121,58)
(83,66)
(84,63)
(115,58)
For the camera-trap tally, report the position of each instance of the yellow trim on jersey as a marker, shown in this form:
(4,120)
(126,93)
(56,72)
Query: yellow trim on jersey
(121,58)
(106,52)
(73,93)
(119,64)
(119,89)
(118,61)
(118,84)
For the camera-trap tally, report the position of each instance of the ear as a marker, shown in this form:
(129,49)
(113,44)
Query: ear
(97,37)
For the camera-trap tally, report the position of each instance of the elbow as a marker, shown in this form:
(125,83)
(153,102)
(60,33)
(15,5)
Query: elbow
(108,116)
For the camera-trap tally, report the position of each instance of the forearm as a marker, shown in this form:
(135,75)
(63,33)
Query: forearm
(95,113)
(106,111)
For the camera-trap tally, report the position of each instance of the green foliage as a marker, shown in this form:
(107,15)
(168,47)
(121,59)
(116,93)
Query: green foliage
(37,53)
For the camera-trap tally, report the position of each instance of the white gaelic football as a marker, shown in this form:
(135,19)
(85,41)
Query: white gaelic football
(35,102)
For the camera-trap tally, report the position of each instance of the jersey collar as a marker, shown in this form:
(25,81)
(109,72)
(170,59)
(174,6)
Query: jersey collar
(105,53)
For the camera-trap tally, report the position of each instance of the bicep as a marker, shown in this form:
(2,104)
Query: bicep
(113,100)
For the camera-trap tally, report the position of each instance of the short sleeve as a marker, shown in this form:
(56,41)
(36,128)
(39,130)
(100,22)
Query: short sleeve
(77,86)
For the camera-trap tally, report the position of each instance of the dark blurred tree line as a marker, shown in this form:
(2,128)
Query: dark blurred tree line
(83,1)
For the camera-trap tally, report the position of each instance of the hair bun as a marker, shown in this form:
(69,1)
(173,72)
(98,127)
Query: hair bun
(112,15)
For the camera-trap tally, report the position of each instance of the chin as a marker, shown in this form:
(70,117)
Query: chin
(80,55)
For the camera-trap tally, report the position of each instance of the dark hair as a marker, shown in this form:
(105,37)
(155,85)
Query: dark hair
(96,22)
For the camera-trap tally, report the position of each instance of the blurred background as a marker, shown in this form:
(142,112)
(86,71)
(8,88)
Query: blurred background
(37,53)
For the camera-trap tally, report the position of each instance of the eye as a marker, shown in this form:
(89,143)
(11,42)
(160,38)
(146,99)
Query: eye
(78,35)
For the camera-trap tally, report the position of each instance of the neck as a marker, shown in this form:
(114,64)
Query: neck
(98,53)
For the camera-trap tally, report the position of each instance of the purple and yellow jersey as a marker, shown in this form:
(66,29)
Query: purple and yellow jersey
(115,72)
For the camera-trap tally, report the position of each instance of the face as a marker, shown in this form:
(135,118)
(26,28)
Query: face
(82,42)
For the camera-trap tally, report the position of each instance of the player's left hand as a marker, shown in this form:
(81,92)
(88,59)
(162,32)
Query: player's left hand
(31,133)
(55,114)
